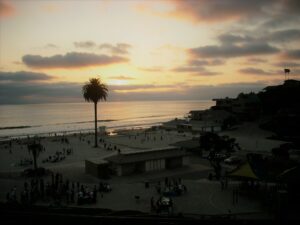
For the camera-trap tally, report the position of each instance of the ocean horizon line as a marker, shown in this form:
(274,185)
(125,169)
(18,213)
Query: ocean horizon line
(109,101)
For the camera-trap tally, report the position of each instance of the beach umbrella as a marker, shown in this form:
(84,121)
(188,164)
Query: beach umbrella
(243,171)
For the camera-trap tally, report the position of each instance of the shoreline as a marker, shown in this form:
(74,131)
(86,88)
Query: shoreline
(111,129)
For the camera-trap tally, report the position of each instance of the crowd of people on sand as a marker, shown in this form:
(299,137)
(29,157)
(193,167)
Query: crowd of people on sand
(146,137)
(58,156)
(25,162)
(163,204)
(171,188)
(56,192)
(109,146)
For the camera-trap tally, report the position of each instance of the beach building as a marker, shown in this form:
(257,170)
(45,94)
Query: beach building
(148,160)
(189,145)
(140,161)
(173,124)
(97,167)
(102,130)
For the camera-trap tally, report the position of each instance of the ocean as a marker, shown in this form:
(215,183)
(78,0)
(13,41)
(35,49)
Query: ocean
(34,119)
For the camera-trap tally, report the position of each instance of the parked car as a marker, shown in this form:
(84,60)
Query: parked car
(232,160)
(220,156)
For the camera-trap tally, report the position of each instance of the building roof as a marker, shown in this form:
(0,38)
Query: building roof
(97,161)
(188,144)
(151,154)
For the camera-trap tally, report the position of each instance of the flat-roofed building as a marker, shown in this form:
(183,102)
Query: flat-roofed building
(148,160)
(97,167)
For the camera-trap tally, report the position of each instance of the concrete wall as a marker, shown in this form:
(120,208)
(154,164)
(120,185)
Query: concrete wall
(185,160)
(100,170)
(153,165)
(118,168)
(127,169)
(91,168)
(174,162)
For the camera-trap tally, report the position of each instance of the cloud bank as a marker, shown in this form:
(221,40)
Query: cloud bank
(18,92)
(71,60)
(118,49)
(24,76)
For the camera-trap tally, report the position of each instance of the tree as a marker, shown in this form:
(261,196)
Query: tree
(216,144)
(94,91)
(35,149)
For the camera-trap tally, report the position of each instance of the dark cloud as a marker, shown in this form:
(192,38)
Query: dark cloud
(247,38)
(84,44)
(195,70)
(281,20)
(198,67)
(294,73)
(231,38)
(287,64)
(256,60)
(284,35)
(119,48)
(214,62)
(255,71)
(71,60)
(19,93)
(6,9)
(291,6)
(229,51)
(121,78)
(292,54)
(23,76)
(218,11)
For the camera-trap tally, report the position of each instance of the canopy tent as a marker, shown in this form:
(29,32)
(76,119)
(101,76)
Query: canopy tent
(244,171)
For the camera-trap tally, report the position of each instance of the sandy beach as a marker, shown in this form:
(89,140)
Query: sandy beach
(203,196)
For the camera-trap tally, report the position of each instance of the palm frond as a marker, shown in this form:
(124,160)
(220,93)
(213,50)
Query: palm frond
(94,90)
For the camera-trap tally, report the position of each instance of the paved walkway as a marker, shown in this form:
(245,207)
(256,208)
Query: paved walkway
(203,196)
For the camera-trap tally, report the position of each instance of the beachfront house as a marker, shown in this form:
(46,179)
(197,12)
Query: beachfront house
(208,120)
(209,115)
(245,106)
(224,103)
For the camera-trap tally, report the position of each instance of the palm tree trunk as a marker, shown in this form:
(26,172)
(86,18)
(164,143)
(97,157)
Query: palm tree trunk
(95,107)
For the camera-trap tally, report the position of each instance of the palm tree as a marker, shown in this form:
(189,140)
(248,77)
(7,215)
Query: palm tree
(35,149)
(94,91)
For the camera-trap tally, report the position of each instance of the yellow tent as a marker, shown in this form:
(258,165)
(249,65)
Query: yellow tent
(245,171)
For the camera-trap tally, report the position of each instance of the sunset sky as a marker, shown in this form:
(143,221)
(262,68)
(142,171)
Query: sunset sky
(145,50)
